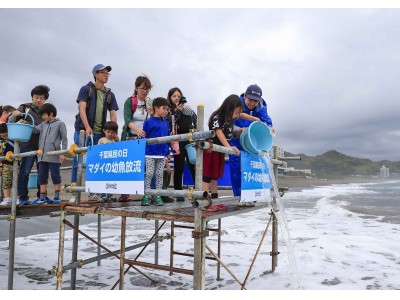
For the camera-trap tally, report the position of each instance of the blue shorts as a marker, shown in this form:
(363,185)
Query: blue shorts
(43,172)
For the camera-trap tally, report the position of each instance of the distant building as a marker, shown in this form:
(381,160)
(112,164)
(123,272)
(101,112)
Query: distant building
(384,172)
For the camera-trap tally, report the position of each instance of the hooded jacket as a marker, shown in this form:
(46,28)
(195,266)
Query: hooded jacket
(52,137)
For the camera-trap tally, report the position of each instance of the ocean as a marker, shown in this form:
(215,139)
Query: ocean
(342,237)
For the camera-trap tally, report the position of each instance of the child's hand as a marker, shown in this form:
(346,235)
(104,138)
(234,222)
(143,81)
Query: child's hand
(22,121)
(255,119)
(62,158)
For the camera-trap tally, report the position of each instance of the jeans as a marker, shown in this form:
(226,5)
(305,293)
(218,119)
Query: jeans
(74,172)
(24,171)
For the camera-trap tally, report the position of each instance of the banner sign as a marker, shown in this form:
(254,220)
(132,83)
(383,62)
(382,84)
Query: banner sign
(116,168)
(255,178)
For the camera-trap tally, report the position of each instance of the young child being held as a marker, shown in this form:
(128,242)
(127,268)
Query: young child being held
(221,121)
(52,137)
(6,167)
(156,154)
(110,130)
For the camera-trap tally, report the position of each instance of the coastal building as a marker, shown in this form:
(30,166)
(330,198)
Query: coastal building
(384,172)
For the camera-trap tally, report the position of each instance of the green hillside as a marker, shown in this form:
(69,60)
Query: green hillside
(333,164)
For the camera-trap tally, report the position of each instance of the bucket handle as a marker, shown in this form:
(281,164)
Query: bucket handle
(33,121)
(87,139)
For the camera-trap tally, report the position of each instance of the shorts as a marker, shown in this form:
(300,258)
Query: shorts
(43,172)
(213,164)
(7,176)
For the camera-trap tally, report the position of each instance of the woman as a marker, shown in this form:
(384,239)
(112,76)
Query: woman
(137,109)
(185,120)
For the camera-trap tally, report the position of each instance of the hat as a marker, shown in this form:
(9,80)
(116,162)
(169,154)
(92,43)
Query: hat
(3,128)
(100,67)
(254,92)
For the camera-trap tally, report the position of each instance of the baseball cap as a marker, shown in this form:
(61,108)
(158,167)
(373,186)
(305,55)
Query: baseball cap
(254,92)
(100,67)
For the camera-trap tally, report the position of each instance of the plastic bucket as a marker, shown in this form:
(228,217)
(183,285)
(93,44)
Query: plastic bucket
(191,151)
(20,131)
(256,138)
(32,182)
(84,160)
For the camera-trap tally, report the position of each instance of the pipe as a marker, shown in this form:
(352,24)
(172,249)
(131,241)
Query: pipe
(197,135)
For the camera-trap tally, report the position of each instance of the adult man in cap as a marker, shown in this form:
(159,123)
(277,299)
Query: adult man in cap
(254,105)
(94,100)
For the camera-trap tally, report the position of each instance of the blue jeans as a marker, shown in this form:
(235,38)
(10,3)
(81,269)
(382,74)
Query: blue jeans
(24,171)
(74,172)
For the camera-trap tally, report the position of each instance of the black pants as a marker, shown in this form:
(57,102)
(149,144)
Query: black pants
(179,165)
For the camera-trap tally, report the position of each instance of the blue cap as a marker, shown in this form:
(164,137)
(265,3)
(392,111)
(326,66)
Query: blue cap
(254,92)
(100,67)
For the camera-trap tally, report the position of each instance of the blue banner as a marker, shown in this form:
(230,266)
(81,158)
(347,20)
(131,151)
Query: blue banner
(255,178)
(116,167)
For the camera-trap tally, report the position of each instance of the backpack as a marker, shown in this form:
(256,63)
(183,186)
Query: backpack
(134,103)
(93,90)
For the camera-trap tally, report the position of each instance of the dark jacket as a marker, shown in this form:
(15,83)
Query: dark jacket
(34,112)
(109,103)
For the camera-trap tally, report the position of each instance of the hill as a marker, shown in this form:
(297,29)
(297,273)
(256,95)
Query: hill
(333,164)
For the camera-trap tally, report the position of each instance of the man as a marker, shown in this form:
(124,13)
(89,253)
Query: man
(39,96)
(94,100)
(255,106)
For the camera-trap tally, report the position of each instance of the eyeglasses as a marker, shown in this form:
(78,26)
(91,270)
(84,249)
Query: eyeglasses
(144,89)
(104,73)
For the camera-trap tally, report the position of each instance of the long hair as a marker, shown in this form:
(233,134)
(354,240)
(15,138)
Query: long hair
(170,93)
(226,109)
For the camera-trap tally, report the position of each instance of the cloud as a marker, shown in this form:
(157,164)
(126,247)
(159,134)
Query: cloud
(329,76)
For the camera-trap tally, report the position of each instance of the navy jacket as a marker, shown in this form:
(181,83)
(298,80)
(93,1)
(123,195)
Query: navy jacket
(156,127)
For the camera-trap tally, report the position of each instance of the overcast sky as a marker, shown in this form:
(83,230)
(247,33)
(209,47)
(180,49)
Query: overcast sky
(330,77)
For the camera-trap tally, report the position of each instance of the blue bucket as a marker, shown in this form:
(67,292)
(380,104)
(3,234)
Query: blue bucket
(256,138)
(32,182)
(20,131)
(191,151)
(84,160)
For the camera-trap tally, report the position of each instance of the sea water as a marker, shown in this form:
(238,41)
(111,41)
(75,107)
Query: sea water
(279,211)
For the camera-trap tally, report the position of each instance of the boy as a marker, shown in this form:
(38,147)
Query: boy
(6,166)
(110,130)
(39,96)
(156,154)
(52,135)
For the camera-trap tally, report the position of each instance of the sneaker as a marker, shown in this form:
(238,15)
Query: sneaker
(6,201)
(94,197)
(124,198)
(167,199)
(24,202)
(73,198)
(40,200)
(158,201)
(56,200)
(180,199)
(145,201)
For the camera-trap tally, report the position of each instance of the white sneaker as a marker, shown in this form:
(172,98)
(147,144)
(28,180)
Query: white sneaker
(6,201)
(73,198)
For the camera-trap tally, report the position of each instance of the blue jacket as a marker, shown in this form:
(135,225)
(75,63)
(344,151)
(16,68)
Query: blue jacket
(110,103)
(260,111)
(156,127)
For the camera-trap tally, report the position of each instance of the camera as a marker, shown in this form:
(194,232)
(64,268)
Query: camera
(182,100)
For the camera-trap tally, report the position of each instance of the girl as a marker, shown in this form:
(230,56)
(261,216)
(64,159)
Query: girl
(185,120)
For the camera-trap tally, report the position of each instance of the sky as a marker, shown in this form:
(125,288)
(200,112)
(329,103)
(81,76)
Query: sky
(336,245)
(329,75)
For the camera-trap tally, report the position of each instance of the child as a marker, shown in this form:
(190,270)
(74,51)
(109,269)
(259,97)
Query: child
(110,130)
(5,112)
(52,135)
(6,167)
(156,154)
(221,121)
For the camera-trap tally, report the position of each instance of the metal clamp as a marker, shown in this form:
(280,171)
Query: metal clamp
(200,234)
